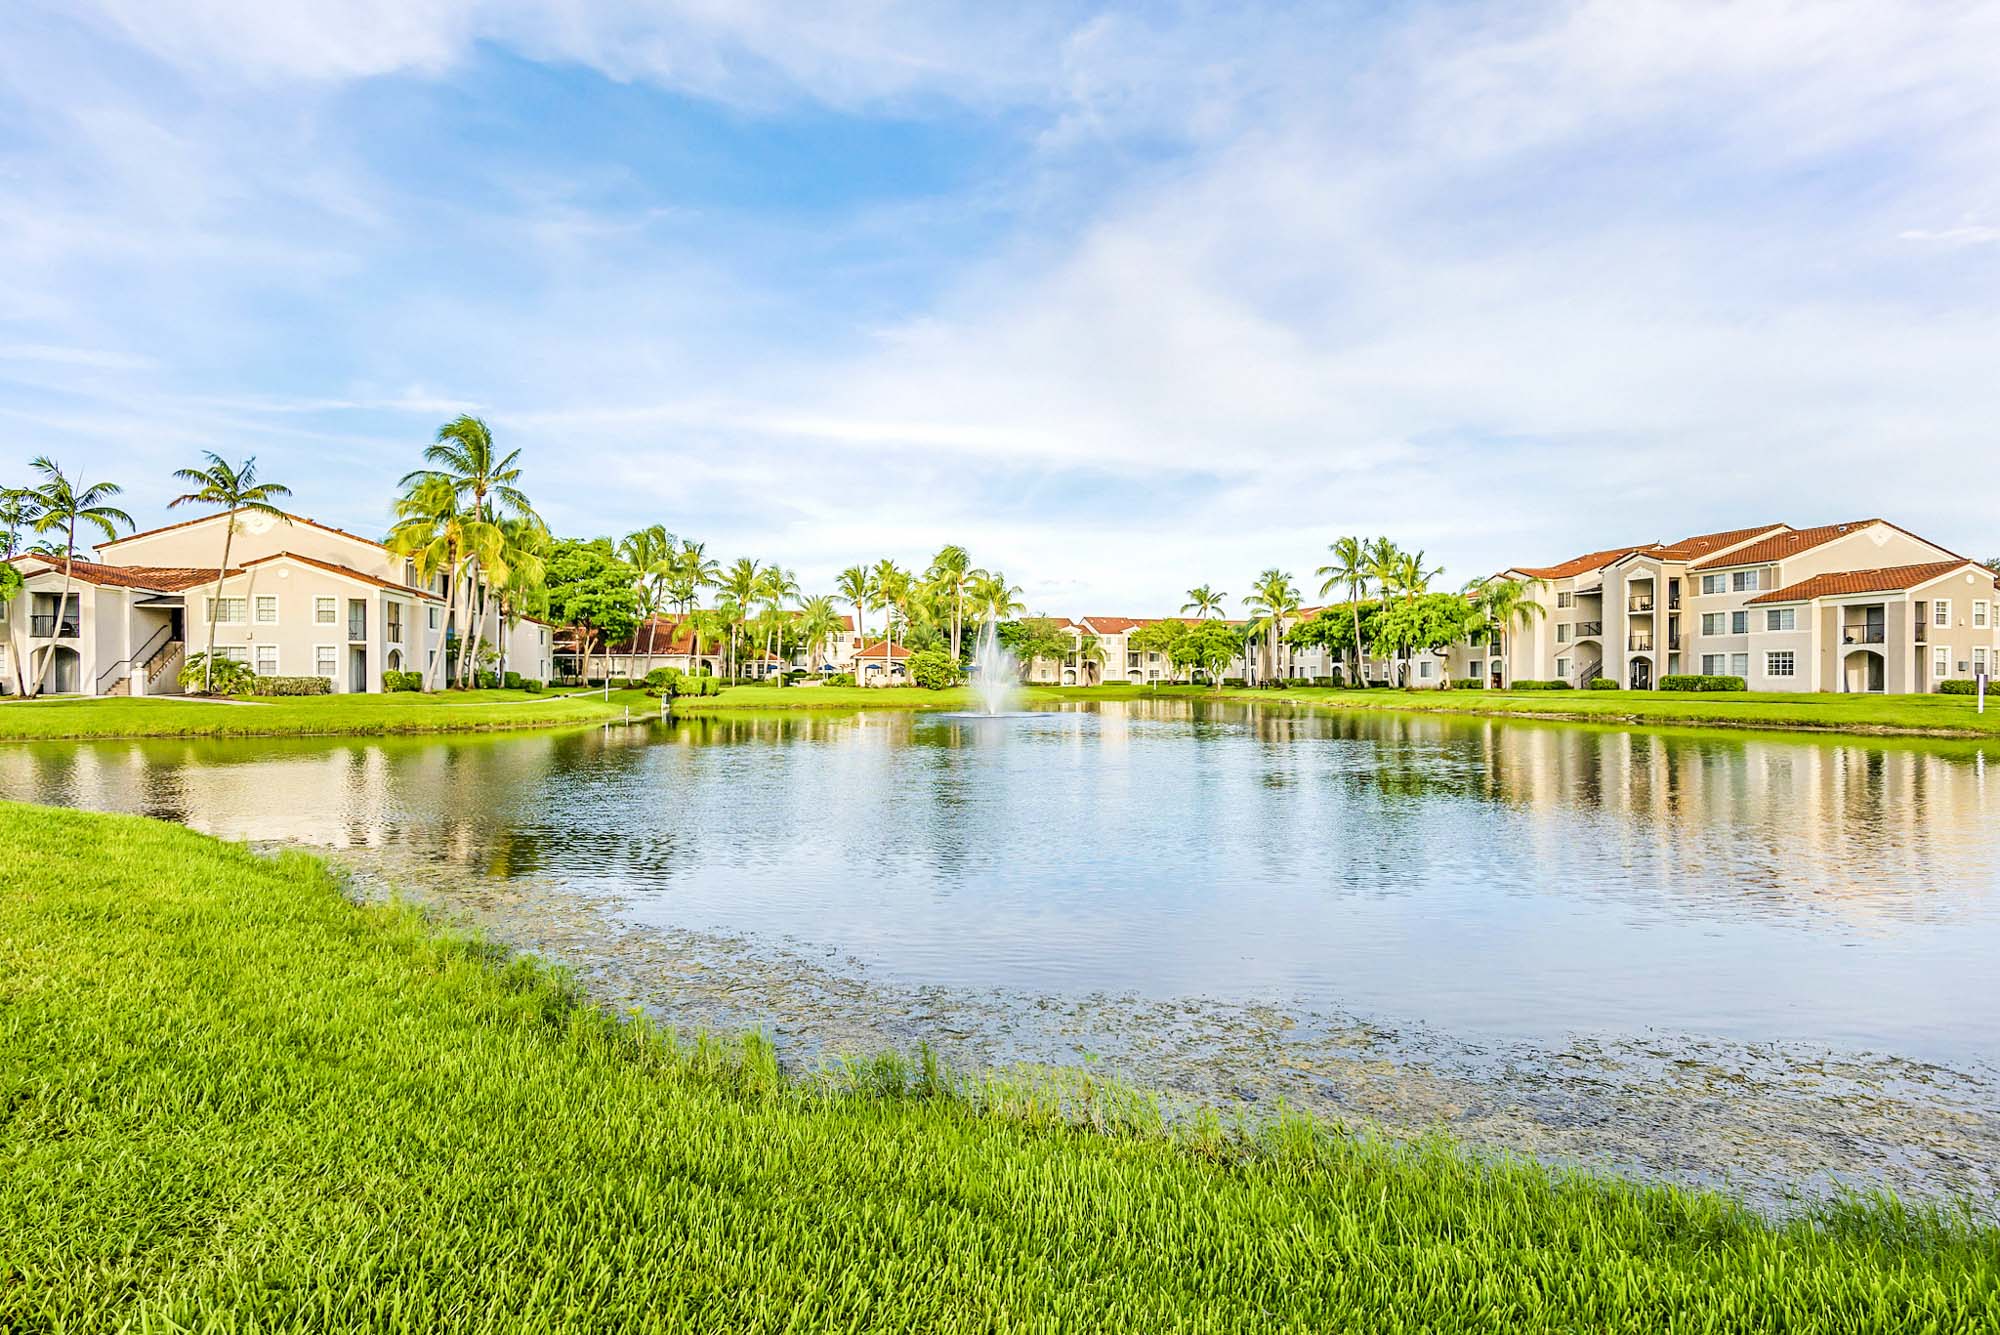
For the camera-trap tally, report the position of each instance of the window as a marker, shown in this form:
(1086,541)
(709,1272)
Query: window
(267,660)
(433,614)
(1714,584)
(1744,581)
(1712,622)
(1779,663)
(1131,660)
(325,660)
(1714,665)
(1941,612)
(1153,658)
(1979,658)
(1781,618)
(235,653)
(1941,662)
(1739,665)
(227,611)
(1739,623)
(326,611)
(1424,669)
(394,612)
(1566,599)
(1979,614)
(1562,667)
(267,609)
(1562,632)
(1475,668)
(542,637)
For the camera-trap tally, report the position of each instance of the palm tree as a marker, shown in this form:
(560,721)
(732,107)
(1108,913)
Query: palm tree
(993,598)
(739,586)
(1382,559)
(693,571)
(951,571)
(857,586)
(777,586)
(1204,602)
(650,551)
(1409,578)
(439,536)
(1350,566)
(235,490)
(819,621)
(59,505)
(464,457)
(1503,604)
(524,551)
(1089,656)
(892,594)
(1272,600)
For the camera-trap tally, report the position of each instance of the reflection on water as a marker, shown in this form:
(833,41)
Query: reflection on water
(1517,888)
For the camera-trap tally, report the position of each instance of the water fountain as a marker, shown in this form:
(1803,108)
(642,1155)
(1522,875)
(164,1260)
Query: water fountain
(993,670)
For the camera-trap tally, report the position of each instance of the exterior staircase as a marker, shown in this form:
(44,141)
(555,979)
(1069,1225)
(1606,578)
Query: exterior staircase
(1589,673)
(163,669)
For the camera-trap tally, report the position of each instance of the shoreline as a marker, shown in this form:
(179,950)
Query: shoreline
(259,1010)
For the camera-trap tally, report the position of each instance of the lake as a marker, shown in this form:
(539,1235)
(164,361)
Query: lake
(1767,962)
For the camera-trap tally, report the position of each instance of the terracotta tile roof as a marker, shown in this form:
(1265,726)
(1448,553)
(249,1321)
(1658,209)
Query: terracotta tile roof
(875,650)
(1701,544)
(1789,543)
(158,579)
(202,519)
(1583,565)
(661,635)
(1888,579)
(349,571)
(1111,625)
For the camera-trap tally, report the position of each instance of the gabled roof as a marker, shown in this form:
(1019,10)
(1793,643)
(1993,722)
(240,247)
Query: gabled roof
(203,519)
(876,650)
(1888,579)
(1793,541)
(155,579)
(1111,625)
(1701,544)
(1589,561)
(350,572)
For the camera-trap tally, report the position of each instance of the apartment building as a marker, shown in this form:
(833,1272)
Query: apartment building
(299,599)
(1856,606)
(664,642)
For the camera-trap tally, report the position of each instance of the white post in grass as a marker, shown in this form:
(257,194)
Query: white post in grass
(1981,675)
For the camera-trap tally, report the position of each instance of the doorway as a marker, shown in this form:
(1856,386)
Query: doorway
(1642,674)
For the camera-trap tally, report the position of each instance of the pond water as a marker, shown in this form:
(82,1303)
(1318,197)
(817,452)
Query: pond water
(1764,961)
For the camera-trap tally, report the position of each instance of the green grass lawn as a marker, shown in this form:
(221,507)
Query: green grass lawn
(308,716)
(1905,715)
(234,1100)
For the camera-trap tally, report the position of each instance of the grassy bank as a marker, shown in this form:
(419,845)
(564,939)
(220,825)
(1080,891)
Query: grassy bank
(308,716)
(233,1098)
(1882,715)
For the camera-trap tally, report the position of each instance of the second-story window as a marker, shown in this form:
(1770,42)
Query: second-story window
(228,611)
(1941,612)
(1781,618)
(1979,614)
(1739,623)
(267,609)
(326,611)
(395,611)
(1565,598)
(1715,583)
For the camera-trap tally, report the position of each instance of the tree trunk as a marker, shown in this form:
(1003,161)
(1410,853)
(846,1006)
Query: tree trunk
(214,606)
(1355,608)
(468,643)
(62,608)
(444,643)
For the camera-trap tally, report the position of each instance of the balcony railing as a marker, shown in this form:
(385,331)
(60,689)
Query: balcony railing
(43,626)
(357,627)
(1639,605)
(1922,626)
(1585,629)
(1868,634)
(1639,644)
(1674,639)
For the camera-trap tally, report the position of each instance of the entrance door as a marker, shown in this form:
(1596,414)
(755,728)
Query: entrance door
(357,669)
(65,672)
(1642,674)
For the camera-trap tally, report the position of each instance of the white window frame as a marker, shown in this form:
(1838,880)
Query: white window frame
(1781,618)
(1941,662)
(1712,623)
(433,615)
(332,651)
(1739,622)
(1774,657)
(1941,612)
(1979,613)
(1562,632)
(326,611)
(1739,665)
(1424,669)
(1979,658)
(1565,598)
(235,653)
(257,606)
(1713,665)
(1711,584)
(257,653)
(1745,581)
(219,613)
(1562,668)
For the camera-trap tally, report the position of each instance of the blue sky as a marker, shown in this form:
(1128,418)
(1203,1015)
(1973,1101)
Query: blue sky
(1124,298)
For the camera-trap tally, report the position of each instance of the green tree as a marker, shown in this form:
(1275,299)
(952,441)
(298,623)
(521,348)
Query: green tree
(857,586)
(992,598)
(1031,639)
(439,535)
(1272,600)
(1500,605)
(234,490)
(934,669)
(59,506)
(1204,602)
(1426,623)
(1158,637)
(650,552)
(819,622)
(892,595)
(739,586)
(1351,566)
(593,593)
(776,587)
(522,588)
(1207,647)
(951,573)
(17,512)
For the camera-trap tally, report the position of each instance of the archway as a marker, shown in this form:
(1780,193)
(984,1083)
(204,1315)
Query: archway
(65,671)
(1641,676)
(1862,672)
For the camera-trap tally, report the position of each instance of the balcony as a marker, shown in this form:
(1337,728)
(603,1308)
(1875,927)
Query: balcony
(1639,644)
(1587,630)
(1674,638)
(43,626)
(1644,604)
(1868,634)
(1922,626)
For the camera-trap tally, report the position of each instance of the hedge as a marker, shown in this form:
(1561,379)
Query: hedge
(1683,681)
(392,680)
(1540,686)
(1468,683)
(1958,686)
(1604,684)
(293,686)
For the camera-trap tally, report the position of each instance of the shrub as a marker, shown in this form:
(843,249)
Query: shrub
(486,681)
(665,681)
(1540,686)
(1469,684)
(230,677)
(532,685)
(840,679)
(933,669)
(1232,681)
(1686,681)
(393,680)
(1958,686)
(512,681)
(293,686)
(1603,684)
